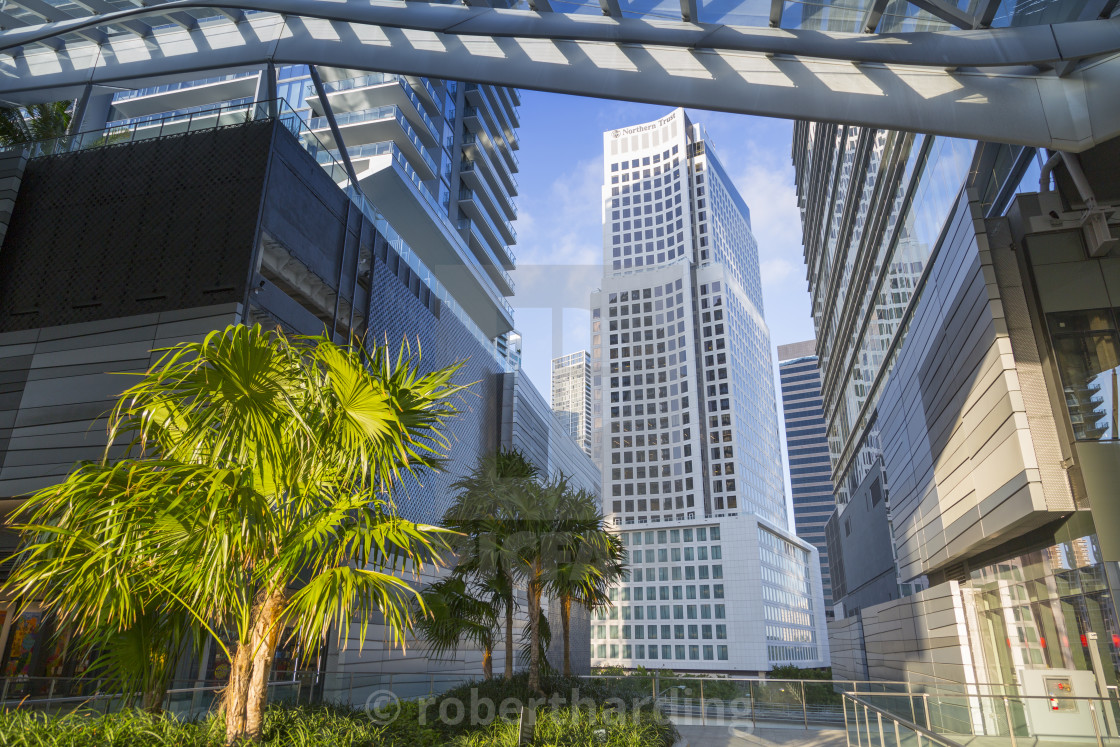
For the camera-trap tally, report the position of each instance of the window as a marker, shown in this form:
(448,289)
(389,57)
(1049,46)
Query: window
(1087,349)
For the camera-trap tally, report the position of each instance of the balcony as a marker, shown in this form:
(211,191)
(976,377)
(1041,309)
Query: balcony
(499,232)
(502,122)
(481,248)
(477,158)
(184,95)
(376,126)
(423,224)
(480,135)
(376,90)
(427,92)
(507,96)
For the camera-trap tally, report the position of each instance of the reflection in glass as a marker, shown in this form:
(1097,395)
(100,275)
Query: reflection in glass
(1088,354)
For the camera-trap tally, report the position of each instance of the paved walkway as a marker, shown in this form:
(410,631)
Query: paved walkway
(742,735)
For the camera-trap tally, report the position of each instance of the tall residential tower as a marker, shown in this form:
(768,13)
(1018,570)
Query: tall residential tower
(571,395)
(685,422)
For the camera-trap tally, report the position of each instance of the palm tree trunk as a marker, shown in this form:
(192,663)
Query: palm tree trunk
(152,700)
(534,590)
(233,699)
(509,635)
(488,662)
(565,618)
(266,636)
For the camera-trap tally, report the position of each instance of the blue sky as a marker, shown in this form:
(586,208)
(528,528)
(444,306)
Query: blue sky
(559,249)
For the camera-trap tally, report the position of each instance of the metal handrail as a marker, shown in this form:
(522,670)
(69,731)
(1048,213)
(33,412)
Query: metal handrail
(921,731)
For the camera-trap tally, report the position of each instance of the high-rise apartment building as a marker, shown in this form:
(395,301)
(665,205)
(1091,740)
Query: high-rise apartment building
(968,347)
(685,422)
(571,395)
(810,471)
(435,158)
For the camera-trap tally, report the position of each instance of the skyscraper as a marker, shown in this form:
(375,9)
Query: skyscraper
(571,395)
(686,424)
(810,470)
(964,301)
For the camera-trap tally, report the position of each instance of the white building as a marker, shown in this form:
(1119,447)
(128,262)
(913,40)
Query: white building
(571,395)
(685,422)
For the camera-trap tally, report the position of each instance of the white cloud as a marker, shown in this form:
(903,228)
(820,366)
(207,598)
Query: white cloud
(566,228)
(775,270)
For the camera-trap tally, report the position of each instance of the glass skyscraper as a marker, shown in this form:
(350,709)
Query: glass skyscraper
(571,395)
(810,470)
(686,423)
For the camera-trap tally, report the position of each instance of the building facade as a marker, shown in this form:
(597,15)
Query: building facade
(245,223)
(437,159)
(810,470)
(571,395)
(685,421)
(963,297)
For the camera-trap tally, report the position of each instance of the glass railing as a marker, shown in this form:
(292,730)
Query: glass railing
(377,79)
(379,113)
(184,699)
(431,90)
(866,725)
(466,193)
(1002,718)
(469,138)
(230,115)
(506,124)
(494,195)
(466,224)
(168,87)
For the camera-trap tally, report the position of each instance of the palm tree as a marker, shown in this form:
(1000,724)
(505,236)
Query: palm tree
(256,495)
(590,563)
(34,122)
(547,530)
(480,516)
(451,612)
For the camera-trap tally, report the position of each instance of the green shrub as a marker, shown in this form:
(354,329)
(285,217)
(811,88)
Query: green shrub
(416,725)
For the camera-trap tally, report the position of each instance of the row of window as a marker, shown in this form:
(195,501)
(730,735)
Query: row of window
(668,632)
(675,553)
(623,594)
(641,651)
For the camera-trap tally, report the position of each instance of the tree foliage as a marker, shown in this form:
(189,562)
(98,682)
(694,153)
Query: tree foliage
(256,496)
(34,122)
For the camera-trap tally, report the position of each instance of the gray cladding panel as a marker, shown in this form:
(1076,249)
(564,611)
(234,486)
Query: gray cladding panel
(957,450)
(69,382)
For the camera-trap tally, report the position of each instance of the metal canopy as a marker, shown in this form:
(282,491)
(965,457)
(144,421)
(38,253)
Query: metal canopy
(1047,85)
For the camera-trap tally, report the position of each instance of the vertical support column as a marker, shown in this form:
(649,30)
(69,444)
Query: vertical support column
(328,112)
(266,89)
(79,109)
(92,114)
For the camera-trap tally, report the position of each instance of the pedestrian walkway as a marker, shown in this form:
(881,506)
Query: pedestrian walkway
(743,735)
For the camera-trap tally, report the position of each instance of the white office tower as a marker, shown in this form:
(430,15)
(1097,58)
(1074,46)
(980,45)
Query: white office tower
(685,423)
(571,395)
